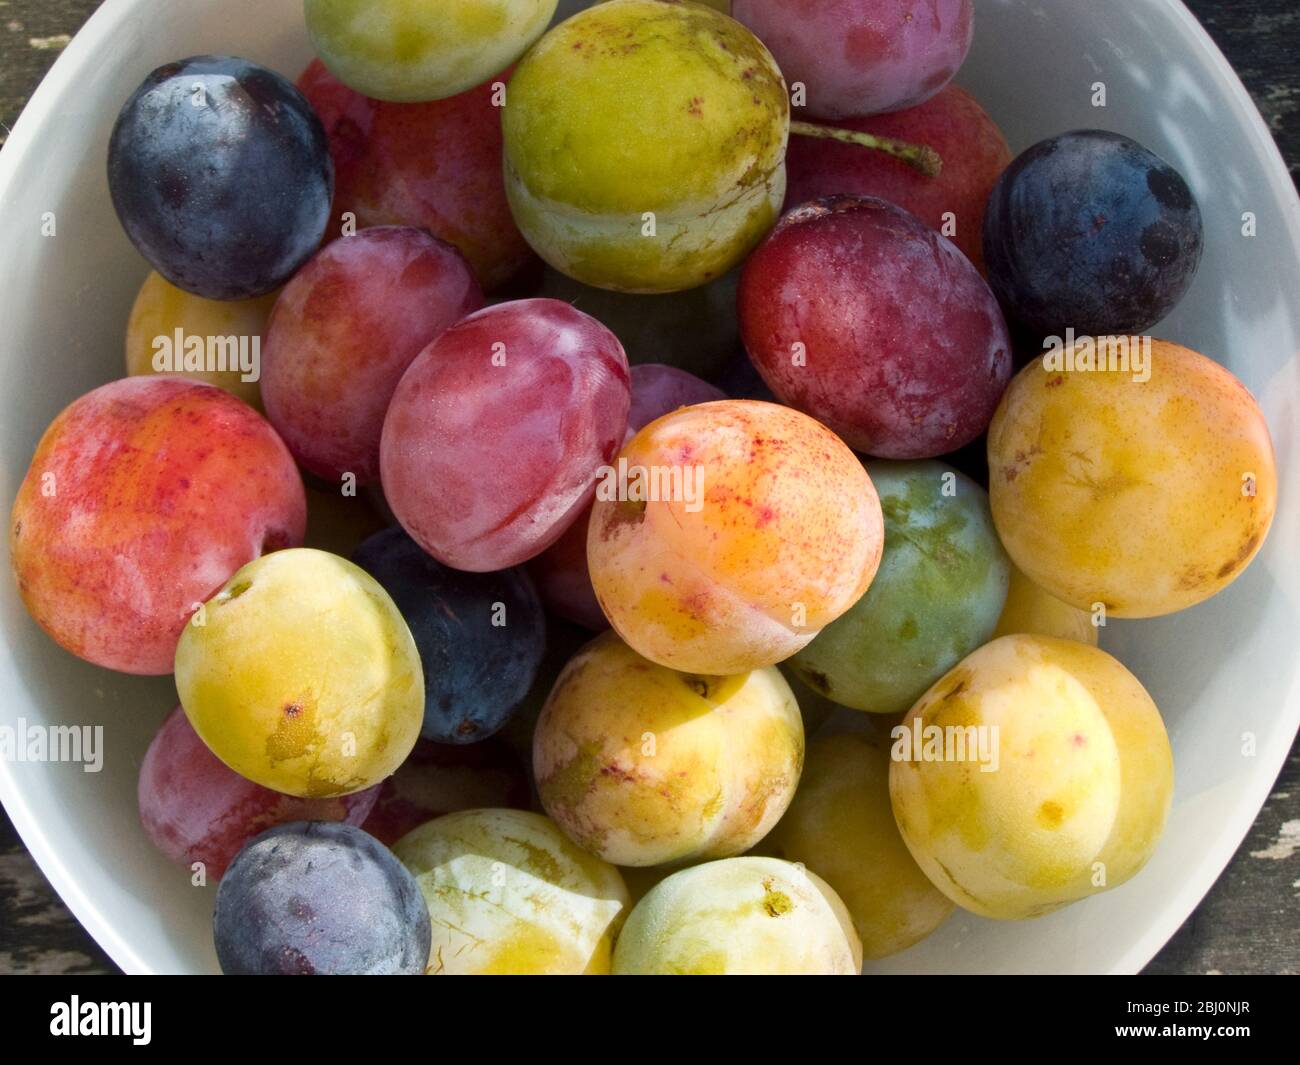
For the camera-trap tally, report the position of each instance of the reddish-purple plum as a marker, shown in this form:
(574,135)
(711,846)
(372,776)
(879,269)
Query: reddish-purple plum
(859,314)
(862,57)
(974,154)
(196,809)
(436,165)
(496,433)
(343,332)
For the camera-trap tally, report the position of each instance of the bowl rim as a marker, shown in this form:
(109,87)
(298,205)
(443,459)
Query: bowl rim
(99,32)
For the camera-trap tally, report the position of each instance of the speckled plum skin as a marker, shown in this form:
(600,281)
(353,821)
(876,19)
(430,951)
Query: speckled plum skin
(343,332)
(1081,790)
(438,779)
(740,916)
(225,193)
(786,537)
(861,57)
(859,314)
(1092,232)
(842,825)
(434,165)
(937,596)
(642,765)
(510,895)
(319,899)
(637,108)
(560,571)
(495,434)
(195,809)
(481,636)
(142,498)
(1140,496)
(973,149)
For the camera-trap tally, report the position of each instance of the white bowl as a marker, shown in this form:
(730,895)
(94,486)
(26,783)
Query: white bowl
(1225,674)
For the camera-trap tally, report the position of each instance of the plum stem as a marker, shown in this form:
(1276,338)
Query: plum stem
(920,157)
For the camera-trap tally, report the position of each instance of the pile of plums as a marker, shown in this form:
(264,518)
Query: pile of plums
(531,436)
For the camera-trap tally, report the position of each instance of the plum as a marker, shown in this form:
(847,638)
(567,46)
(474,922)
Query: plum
(481,636)
(859,314)
(433,165)
(642,765)
(1072,797)
(1130,474)
(952,122)
(644,145)
(937,596)
(142,498)
(773,532)
(319,899)
(861,57)
(496,433)
(197,810)
(509,895)
(221,176)
(561,570)
(343,332)
(740,916)
(841,824)
(176,333)
(1089,231)
(397,50)
(1031,610)
(439,778)
(301,675)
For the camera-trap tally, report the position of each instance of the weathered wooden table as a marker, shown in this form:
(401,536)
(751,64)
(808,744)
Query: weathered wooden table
(1249,922)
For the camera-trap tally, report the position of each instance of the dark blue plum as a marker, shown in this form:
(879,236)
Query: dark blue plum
(315,898)
(1090,231)
(221,176)
(481,636)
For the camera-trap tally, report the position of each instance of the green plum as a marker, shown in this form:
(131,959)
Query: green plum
(413,50)
(937,596)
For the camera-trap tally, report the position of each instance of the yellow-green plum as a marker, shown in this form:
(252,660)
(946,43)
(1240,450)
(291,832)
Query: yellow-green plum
(740,916)
(509,895)
(301,675)
(1035,773)
(413,50)
(842,825)
(1130,474)
(753,528)
(643,765)
(1031,610)
(645,144)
